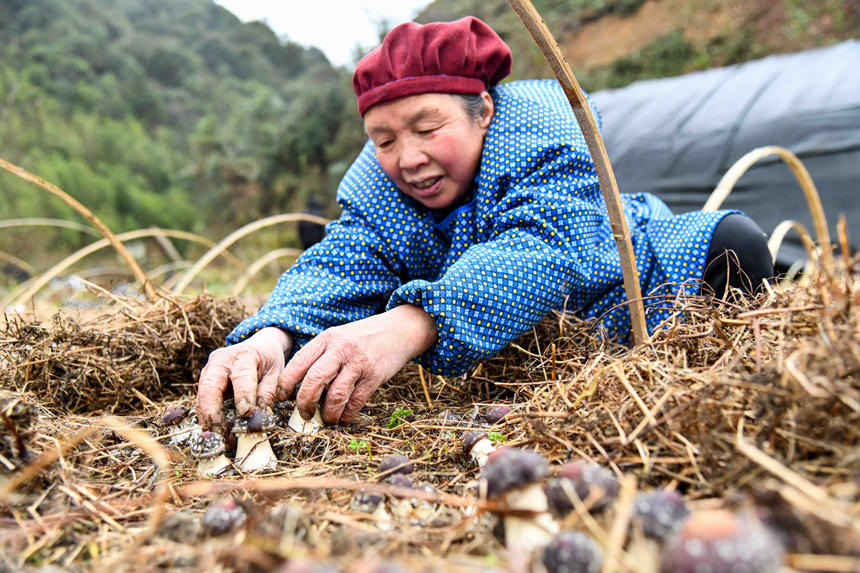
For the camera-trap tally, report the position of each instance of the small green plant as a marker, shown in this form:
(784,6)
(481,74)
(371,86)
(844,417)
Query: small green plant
(398,417)
(358,445)
(497,437)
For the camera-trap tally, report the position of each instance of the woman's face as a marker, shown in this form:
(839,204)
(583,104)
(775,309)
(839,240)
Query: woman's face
(429,145)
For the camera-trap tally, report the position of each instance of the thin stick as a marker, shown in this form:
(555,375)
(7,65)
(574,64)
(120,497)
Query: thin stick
(424,386)
(533,22)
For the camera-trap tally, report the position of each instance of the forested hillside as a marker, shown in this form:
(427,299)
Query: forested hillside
(174,113)
(165,112)
(611,43)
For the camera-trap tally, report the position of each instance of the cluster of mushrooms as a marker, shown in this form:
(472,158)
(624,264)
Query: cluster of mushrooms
(253,449)
(533,503)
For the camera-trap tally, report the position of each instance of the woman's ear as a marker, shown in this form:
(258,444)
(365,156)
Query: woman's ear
(489,111)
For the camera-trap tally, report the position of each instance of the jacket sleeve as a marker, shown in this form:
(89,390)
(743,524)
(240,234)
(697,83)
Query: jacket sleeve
(547,250)
(343,278)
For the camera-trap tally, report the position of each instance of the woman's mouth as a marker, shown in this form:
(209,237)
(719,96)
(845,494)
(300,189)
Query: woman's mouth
(426,186)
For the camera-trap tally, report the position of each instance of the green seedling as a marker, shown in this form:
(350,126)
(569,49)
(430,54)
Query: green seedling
(398,418)
(358,445)
(497,437)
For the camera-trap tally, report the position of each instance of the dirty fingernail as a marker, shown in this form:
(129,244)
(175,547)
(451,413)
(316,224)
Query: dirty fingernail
(243,406)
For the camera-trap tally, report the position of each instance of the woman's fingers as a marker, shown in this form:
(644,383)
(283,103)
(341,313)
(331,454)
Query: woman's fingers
(319,377)
(245,372)
(210,394)
(297,367)
(339,393)
(360,395)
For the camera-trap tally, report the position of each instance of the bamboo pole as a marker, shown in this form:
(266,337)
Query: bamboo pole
(532,20)
(235,236)
(813,199)
(136,270)
(30,288)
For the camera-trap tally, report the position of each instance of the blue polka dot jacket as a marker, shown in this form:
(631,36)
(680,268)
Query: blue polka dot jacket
(534,237)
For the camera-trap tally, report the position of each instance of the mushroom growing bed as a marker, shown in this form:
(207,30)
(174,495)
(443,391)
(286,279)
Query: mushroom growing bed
(750,410)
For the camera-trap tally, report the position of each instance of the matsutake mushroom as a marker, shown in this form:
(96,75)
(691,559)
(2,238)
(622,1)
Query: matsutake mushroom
(659,513)
(572,552)
(209,448)
(180,425)
(371,503)
(477,445)
(587,481)
(395,464)
(495,414)
(514,477)
(223,516)
(717,540)
(302,426)
(253,450)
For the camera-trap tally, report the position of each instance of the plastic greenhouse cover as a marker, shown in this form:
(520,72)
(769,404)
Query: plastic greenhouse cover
(676,137)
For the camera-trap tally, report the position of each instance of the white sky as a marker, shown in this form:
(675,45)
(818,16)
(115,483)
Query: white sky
(334,26)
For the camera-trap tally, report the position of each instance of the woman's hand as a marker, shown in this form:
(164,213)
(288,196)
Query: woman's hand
(252,366)
(353,360)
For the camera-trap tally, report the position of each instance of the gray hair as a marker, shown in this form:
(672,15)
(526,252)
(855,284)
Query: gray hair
(473,104)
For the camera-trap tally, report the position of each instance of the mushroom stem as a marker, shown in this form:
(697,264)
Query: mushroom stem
(254,452)
(524,535)
(212,466)
(302,426)
(482,448)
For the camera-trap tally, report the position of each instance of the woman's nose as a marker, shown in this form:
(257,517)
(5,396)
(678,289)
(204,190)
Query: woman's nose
(412,157)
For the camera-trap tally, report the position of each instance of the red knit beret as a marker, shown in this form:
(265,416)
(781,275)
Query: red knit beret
(462,57)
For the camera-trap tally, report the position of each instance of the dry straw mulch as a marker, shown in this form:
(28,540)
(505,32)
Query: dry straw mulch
(747,404)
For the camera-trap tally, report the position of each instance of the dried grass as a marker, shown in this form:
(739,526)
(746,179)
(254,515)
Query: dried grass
(755,402)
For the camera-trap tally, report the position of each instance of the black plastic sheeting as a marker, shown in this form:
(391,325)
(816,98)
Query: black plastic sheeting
(676,137)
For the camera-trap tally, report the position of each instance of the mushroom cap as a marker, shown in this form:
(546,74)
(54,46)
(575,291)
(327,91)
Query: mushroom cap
(261,420)
(207,445)
(240,426)
(496,413)
(717,540)
(223,517)
(660,512)
(395,464)
(173,414)
(365,501)
(400,480)
(583,477)
(511,468)
(572,552)
(472,438)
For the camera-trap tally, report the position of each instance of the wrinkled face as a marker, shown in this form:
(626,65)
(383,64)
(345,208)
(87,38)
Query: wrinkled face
(429,145)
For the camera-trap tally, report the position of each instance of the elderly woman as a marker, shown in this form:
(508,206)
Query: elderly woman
(472,212)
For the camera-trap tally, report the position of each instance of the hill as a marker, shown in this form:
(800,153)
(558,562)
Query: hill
(165,112)
(611,43)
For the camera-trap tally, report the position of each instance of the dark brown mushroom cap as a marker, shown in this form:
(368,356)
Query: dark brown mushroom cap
(660,512)
(496,413)
(717,540)
(395,464)
(365,501)
(207,445)
(572,552)
(173,415)
(510,468)
(583,477)
(240,426)
(261,420)
(223,517)
(400,480)
(472,438)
